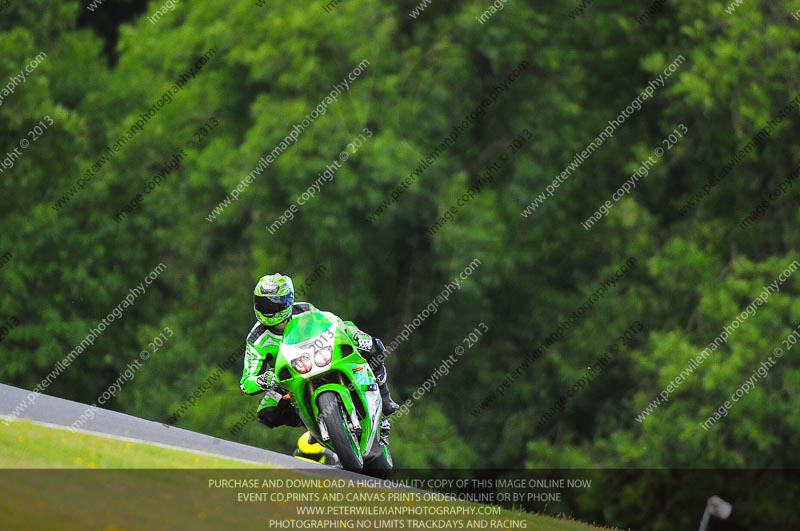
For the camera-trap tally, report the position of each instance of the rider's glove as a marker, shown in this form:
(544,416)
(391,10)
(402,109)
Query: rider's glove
(267,380)
(364,341)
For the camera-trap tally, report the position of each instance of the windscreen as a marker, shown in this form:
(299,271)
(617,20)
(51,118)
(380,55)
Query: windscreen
(305,326)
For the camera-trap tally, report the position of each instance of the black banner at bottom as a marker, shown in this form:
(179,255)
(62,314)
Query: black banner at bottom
(655,499)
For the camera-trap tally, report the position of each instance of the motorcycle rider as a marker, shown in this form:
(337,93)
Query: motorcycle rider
(273,303)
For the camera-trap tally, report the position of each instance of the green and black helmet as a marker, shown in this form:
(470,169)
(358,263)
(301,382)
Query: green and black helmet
(273,299)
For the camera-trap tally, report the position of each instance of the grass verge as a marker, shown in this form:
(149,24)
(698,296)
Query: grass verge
(57,479)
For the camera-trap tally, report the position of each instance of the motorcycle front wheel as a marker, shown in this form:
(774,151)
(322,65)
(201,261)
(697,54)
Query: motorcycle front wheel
(344,443)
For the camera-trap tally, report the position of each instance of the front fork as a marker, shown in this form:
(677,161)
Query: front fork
(353,422)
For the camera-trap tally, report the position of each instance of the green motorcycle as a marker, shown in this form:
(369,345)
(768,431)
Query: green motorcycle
(334,391)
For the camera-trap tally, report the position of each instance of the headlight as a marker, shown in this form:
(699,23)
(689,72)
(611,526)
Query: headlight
(322,357)
(302,364)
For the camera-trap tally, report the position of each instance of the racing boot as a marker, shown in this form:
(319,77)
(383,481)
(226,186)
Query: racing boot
(309,449)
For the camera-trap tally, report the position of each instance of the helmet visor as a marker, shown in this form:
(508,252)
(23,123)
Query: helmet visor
(269,306)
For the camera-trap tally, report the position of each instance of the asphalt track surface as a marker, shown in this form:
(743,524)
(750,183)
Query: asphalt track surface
(60,412)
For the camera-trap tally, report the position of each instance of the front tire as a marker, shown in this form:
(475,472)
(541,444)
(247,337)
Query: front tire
(378,463)
(344,443)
